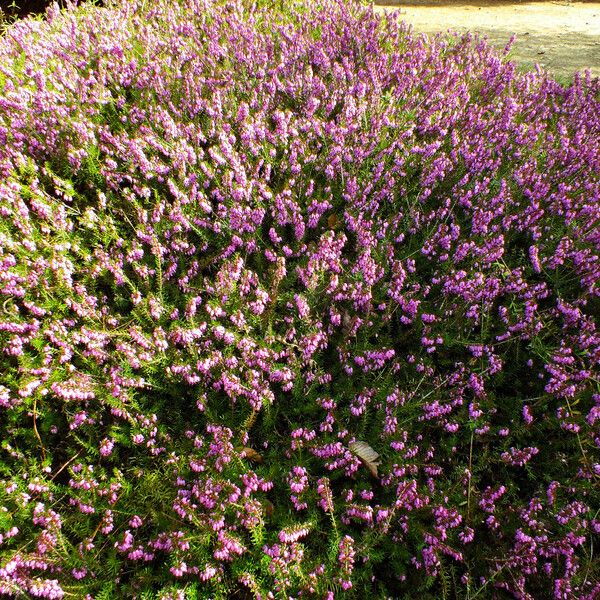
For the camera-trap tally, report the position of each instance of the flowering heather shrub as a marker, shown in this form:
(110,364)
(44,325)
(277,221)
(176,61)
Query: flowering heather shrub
(236,243)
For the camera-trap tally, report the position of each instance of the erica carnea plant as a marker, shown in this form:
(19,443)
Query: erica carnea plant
(293,304)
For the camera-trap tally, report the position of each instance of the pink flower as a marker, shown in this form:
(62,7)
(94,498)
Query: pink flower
(106,447)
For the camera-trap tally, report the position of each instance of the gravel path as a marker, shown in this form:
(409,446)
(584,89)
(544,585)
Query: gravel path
(562,37)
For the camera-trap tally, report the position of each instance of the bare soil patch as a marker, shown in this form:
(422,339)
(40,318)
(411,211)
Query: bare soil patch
(562,37)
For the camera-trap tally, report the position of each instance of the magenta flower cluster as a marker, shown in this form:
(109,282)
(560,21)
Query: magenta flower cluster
(237,243)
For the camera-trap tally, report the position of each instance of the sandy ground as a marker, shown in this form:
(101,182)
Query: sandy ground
(562,37)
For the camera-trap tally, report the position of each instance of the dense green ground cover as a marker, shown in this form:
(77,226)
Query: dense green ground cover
(242,249)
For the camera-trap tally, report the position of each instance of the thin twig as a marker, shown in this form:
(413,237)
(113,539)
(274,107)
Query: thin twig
(35,429)
(470,477)
(65,465)
(583,454)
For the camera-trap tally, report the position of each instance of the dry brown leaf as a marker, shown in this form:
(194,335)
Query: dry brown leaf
(367,455)
(269,508)
(251,454)
(333,221)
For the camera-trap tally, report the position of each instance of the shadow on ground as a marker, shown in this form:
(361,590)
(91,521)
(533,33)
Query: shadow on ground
(19,9)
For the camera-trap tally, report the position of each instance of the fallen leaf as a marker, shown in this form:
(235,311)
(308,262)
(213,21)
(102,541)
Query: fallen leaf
(332,221)
(269,508)
(367,455)
(251,454)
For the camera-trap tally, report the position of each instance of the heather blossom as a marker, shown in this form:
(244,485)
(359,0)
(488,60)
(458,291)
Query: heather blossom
(237,240)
